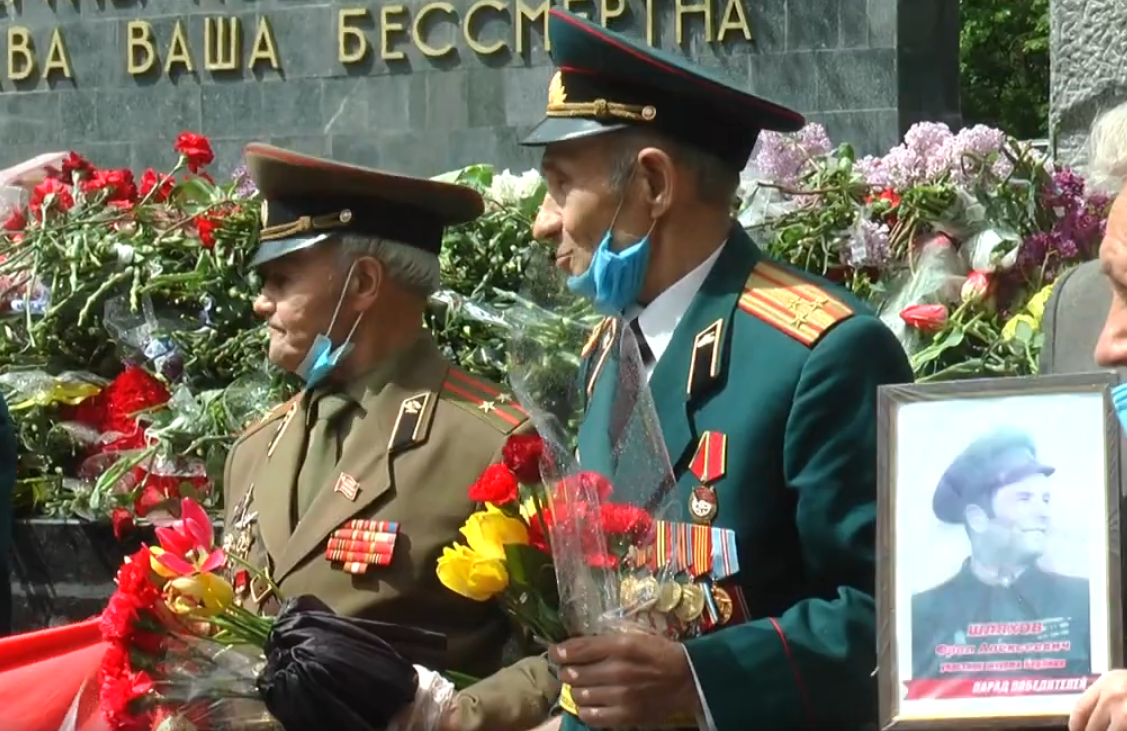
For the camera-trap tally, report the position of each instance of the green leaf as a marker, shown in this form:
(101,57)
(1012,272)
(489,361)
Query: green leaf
(529,567)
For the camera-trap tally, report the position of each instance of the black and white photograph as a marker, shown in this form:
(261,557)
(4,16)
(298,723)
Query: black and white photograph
(998,506)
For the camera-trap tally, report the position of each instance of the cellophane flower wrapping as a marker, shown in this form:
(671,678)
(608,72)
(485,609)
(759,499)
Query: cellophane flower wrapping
(183,653)
(602,507)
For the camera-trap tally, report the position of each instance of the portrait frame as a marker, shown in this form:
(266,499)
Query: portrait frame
(1002,704)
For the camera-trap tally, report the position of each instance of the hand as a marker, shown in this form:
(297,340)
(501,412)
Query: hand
(627,680)
(552,725)
(1103,707)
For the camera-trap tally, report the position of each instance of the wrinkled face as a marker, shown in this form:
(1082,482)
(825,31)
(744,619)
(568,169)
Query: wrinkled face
(581,203)
(1019,528)
(298,296)
(1111,348)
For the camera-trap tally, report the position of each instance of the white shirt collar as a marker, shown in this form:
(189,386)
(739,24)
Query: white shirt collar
(661,317)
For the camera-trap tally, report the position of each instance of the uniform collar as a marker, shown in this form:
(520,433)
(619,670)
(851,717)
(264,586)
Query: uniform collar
(660,318)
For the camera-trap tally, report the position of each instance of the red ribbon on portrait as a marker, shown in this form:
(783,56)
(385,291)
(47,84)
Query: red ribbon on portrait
(995,687)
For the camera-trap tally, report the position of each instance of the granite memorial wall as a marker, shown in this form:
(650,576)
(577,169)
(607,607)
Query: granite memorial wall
(1088,41)
(425,86)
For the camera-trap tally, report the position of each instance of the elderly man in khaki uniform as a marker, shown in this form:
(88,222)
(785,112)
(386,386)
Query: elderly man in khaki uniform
(350,491)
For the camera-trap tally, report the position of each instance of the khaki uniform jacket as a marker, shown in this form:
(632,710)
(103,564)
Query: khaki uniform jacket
(409,457)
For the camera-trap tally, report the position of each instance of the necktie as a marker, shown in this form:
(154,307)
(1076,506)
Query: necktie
(643,346)
(322,451)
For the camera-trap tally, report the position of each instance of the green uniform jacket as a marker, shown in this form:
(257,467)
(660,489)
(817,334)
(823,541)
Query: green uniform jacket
(417,445)
(786,366)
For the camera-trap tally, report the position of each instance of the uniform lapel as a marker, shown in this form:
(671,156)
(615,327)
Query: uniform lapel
(695,362)
(276,480)
(365,456)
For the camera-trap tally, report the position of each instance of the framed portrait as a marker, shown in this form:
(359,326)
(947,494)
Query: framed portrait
(998,570)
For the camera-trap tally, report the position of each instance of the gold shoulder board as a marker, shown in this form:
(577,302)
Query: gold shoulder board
(791,304)
(589,346)
(486,400)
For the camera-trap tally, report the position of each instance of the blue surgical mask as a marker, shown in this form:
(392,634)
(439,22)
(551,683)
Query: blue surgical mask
(322,358)
(614,279)
(1119,402)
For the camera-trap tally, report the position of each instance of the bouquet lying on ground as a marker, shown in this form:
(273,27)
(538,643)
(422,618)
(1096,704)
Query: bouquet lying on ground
(184,654)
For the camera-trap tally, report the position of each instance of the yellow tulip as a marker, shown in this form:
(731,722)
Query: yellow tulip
(1036,306)
(466,572)
(1009,331)
(488,532)
(202,595)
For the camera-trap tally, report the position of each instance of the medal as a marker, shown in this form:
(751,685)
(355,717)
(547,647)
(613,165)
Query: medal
(647,595)
(668,597)
(723,602)
(692,603)
(628,592)
(702,505)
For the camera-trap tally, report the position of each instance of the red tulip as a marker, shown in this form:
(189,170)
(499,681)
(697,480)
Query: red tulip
(977,287)
(925,318)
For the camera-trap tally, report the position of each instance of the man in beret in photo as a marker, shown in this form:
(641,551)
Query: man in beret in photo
(764,378)
(999,491)
(351,491)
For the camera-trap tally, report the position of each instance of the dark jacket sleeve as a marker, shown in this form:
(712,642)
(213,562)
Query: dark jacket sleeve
(812,666)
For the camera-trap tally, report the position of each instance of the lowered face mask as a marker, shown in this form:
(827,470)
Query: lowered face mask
(614,279)
(322,358)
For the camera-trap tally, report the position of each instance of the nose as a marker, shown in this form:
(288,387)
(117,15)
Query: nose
(548,221)
(1111,348)
(263,306)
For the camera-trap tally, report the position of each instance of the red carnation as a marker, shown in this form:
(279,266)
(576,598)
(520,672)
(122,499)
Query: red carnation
(163,184)
(537,524)
(205,228)
(196,150)
(585,486)
(624,520)
(62,199)
(118,184)
(117,695)
(496,485)
(521,454)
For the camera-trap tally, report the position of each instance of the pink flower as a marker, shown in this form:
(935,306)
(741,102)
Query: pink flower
(188,547)
(977,287)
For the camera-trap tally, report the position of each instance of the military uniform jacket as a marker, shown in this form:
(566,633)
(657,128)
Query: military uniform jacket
(1056,605)
(785,367)
(407,461)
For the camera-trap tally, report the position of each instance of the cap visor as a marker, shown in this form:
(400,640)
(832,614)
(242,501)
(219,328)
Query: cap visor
(271,250)
(562,129)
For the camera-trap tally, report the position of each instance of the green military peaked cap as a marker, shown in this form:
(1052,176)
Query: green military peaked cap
(606,82)
(306,200)
(992,461)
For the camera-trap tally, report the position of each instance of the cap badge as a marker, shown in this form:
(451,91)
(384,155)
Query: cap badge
(265,213)
(556,93)
(345,216)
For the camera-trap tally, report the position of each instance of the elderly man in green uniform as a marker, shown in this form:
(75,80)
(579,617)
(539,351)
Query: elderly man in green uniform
(765,381)
(1001,493)
(351,490)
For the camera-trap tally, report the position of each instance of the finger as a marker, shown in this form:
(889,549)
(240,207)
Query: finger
(603,674)
(579,651)
(1082,711)
(1100,718)
(611,717)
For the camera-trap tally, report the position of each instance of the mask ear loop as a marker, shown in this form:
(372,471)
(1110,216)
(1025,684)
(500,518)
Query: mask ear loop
(622,201)
(340,303)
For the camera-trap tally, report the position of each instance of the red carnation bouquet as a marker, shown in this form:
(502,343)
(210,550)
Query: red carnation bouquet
(182,653)
(574,542)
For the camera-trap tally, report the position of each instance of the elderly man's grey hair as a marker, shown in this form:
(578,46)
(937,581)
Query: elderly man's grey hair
(716,181)
(1107,150)
(408,265)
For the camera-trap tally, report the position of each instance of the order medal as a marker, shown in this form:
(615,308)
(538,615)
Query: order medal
(692,603)
(668,597)
(702,505)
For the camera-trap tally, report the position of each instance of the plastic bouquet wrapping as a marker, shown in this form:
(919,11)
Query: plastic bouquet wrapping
(183,654)
(602,504)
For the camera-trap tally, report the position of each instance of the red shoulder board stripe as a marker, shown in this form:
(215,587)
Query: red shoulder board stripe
(486,397)
(792,305)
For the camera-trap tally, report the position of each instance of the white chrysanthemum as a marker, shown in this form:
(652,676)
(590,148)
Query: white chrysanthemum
(509,189)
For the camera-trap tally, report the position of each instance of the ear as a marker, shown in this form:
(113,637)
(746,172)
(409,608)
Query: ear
(976,518)
(367,278)
(657,173)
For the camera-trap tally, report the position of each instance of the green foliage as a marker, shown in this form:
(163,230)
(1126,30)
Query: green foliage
(1004,60)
